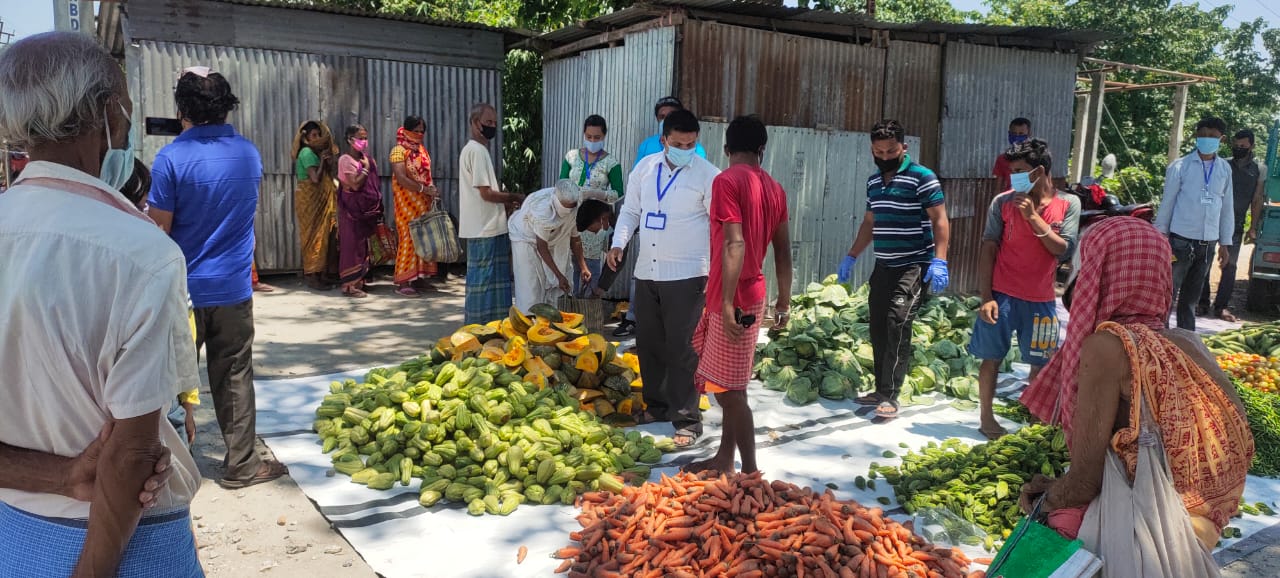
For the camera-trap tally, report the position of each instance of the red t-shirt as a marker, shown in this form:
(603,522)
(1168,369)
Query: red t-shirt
(748,195)
(1002,172)
(1024,268)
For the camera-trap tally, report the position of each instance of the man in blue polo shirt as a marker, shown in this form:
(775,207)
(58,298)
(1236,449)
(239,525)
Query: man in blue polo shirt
(204,193)
(907,222)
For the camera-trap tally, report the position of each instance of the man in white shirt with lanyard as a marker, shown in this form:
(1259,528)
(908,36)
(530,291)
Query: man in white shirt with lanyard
(1197,213)
(669,197)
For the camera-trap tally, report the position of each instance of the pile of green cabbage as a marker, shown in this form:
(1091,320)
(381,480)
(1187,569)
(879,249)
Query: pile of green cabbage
(825,350)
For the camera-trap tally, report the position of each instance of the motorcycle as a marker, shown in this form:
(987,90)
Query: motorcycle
(1096,205)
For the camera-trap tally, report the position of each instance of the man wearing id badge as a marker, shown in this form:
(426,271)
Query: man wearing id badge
(1197,213)
(668,201)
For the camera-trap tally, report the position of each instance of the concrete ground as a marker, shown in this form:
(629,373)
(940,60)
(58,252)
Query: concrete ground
(273,529)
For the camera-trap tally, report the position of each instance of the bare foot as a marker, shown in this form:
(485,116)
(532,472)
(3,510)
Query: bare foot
(711,465)
(993,431)
(1227,316)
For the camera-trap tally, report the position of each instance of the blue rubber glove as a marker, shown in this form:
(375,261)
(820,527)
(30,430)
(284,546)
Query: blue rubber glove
(937,276)
(846,268)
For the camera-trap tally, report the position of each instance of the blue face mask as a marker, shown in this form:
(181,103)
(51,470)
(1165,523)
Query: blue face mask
(1021,182)
(1207,145)
(117,165)
(1018,138)
(680,157)
(593,147)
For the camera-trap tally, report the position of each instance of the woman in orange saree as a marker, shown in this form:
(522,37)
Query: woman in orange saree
(414,195)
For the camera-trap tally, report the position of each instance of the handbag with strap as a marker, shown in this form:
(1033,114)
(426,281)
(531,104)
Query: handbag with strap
(382,246)
(1034,550)
(434,238)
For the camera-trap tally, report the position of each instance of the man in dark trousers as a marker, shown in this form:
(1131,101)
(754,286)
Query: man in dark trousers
(907,222)
(204,193)
(669,198)
(1248,184)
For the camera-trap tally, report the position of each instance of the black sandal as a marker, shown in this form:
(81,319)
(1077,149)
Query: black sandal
(887,409)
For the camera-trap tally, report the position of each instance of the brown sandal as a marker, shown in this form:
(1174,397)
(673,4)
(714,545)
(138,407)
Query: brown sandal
(274,470)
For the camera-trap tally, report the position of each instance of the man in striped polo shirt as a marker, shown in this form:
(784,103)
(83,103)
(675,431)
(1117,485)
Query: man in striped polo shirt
(907,222)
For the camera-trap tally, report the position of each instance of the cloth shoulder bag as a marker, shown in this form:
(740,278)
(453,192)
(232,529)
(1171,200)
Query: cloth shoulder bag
(434,238)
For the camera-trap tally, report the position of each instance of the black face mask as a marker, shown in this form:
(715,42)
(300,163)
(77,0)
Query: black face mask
(489,131)
(887,165)
(1241,152)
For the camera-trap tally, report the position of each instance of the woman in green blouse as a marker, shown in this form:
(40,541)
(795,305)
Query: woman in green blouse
(591,167)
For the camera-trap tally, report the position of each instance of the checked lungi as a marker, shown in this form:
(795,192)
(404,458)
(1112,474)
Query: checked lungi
(725,364)
(489,279)
(32,545)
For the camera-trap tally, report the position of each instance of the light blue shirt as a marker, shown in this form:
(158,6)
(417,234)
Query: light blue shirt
(653,145)
(1198,201)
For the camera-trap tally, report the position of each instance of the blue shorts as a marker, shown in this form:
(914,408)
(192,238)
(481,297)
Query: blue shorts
(1035,323)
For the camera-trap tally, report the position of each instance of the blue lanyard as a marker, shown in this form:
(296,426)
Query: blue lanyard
(1208,175)
(586,172)
(662,191)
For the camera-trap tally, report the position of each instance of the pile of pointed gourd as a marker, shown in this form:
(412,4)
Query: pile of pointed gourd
(551,347)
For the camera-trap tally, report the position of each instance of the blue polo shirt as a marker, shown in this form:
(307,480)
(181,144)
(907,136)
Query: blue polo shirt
(653,145)
(903,233)
(208,178)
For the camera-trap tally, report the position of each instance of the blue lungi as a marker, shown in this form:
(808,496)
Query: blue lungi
(489,279)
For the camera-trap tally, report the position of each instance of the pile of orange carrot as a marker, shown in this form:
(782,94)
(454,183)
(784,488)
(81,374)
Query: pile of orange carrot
(743,526)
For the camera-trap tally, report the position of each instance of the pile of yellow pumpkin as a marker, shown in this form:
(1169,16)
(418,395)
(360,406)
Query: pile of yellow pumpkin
(550,347)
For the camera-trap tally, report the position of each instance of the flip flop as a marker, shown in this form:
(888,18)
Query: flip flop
(869,399)
(887,409)
(274,471)
(686,433)
(408,292)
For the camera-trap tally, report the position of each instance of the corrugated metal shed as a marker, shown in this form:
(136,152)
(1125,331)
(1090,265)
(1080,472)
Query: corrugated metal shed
(787,79)
(967,203)
(279,89)
(825,175)
(913,93)
(986,87)
(621,84)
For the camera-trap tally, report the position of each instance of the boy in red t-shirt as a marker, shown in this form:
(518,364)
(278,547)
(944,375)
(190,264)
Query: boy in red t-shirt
(1030,229)
(748,214)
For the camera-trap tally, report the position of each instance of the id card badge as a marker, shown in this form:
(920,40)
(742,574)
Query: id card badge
(1207,198)
(655,221)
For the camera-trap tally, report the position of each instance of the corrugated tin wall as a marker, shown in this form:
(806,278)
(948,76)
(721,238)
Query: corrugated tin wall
(825,175)
(967,203)
(279,90)
(788,80)
(913,94)
(986,87)
(621,84)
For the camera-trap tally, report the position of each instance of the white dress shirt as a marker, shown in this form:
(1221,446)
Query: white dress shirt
(682,248)
(76,355)
(1198,200)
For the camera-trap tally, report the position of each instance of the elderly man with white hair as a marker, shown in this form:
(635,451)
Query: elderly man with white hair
(544,236)
(96,343)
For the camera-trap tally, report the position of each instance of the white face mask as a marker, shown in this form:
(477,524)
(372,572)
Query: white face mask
(561,210)
(117,165)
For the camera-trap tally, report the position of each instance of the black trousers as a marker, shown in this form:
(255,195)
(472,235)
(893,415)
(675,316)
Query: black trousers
(1227,284)
(667,314)
(226,333)
(896,296)
(1192,261)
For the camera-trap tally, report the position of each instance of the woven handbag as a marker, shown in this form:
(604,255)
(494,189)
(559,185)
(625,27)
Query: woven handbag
(434,238)
(591,308)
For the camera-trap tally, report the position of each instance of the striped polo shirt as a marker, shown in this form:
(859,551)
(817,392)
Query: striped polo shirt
(903,234)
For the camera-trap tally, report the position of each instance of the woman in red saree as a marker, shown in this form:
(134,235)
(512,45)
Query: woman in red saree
(1158,438)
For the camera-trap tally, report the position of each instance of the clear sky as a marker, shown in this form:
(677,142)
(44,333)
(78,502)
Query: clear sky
(26,17)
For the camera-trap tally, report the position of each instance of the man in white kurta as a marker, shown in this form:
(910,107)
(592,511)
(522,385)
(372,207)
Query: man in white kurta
(544,239)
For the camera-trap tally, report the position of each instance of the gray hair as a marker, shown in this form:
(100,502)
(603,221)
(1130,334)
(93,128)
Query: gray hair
(55,86)
(478,110)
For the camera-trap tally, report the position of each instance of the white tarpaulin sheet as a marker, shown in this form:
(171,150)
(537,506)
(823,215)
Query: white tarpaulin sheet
(815,445)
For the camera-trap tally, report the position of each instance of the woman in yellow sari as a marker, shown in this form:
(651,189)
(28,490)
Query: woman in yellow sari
(1158,438)
(414,193)
(314,202)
